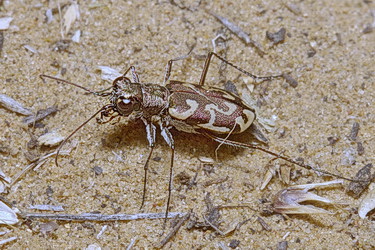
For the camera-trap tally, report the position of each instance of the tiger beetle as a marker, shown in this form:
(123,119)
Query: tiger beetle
(193,108)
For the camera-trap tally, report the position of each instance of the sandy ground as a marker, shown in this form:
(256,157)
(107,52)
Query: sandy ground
(325,49)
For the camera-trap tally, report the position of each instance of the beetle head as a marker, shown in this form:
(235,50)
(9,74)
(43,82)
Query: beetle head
(126,97)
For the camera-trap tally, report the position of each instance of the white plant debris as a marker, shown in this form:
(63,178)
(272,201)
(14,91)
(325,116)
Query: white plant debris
(109,74)
(132,243)
(99,235)
(368,203)
(206,160)
(2,242)
(50,139)
(45,207)
(49,15)
(5,232)
(77,36)
(4,181)
(287,201)
(70,16)
(30,48)
(5,22)
(12,105)
(271,172)
(348,157)
(7,215)
(93,247)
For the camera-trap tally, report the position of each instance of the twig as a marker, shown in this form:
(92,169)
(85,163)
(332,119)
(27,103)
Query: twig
(101,217)
(213,226)
(174,230)
(40,115)
(36,164)
(238,32)
(132,243)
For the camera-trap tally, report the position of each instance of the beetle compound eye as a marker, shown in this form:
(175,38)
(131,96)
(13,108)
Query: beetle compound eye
(125,106)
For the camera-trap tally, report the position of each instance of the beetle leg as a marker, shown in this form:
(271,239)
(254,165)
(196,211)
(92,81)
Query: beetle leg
(168,67)
(135,76)
(207,65)
(151,135)
(169,139)
(145,167)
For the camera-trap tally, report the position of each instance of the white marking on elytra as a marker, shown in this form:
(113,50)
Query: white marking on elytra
(186,114)
(240,121)
(212,108)
(226,95)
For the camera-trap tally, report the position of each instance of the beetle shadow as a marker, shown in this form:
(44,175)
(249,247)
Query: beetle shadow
(121,135)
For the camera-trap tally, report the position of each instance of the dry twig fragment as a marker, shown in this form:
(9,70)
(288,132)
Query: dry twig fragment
(174,230)
(102,217)
(47,207)
(238,32)
(3,242)
(40,115)
(289,79)
(39,162)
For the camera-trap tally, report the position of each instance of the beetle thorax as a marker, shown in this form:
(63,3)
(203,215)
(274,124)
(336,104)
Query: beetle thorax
(155,99)
(139,100)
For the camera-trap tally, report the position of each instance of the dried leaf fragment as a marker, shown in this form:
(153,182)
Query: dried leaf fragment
(276,37)
(70,16)
(287,201)
(50,139)
(48,227)
(12,105)
(109,74)
(366,175)
(7,215)
(5,22)
(77,36)
(354,132)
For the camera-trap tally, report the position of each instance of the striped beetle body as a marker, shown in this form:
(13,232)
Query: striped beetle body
(192,108)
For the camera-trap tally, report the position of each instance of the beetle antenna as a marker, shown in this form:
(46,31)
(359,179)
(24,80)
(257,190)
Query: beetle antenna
(78,128)
(59,80)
